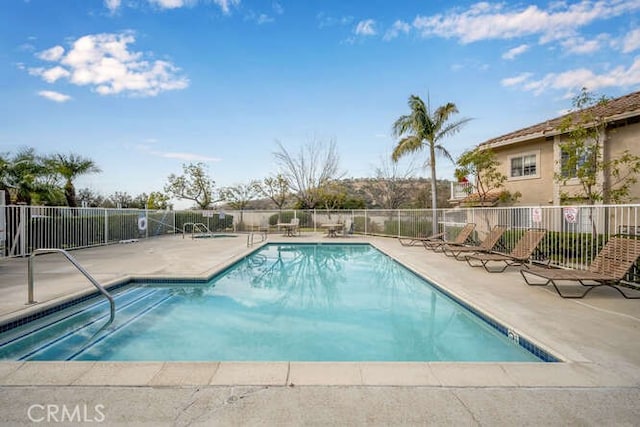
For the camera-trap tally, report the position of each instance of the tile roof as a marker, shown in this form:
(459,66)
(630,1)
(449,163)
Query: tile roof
(626,104)
(489,199)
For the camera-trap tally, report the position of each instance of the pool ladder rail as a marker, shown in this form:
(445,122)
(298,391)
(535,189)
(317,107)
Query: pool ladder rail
(73,261)
(251,237)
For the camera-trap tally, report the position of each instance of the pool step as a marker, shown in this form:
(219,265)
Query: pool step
(90,308)
(69,332)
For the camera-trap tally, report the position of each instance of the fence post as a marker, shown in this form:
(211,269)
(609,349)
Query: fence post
(314,220)
(23,230)
(106,226)
(365,222)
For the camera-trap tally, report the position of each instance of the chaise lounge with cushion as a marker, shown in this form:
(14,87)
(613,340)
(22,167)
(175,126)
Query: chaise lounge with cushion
(608,268)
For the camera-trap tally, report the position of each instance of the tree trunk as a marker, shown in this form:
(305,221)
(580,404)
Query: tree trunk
(70,195)
(434,195)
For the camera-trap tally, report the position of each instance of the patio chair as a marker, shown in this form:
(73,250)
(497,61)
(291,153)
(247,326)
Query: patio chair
(415,241)
(295,226)
(485,246)
(608,268)
(519,255)
(348,228)
(460,240)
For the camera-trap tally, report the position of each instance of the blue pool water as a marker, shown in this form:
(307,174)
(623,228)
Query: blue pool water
(295,302)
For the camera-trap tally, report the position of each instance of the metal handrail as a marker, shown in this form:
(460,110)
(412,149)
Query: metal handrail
(73,261)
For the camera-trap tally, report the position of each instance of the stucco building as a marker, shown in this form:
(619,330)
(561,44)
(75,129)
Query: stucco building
(532,156)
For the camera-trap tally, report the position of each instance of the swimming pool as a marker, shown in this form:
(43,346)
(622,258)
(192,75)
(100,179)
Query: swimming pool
(295,302)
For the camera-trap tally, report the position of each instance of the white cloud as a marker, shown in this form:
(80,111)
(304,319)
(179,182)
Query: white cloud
(484,21)
(632,41)
(225,5)
(512,53)
(365,28)
(188,157)
(53,74)
(264,19)
(54,96)
(325,20)
(104,62)
(112,5)
(260,19)
(395,30)
(581,77)
(184,156)
(52,54)
(580,46)
(277,8)
(514,81)
(169,4)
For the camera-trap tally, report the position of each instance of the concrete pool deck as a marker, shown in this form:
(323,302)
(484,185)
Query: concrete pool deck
(598,339)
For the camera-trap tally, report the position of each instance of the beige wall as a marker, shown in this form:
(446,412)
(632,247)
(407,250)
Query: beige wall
(542,189)
(621,139)
(536,190)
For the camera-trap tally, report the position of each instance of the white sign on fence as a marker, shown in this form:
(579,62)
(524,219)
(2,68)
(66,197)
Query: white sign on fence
(536,215)
(207,214)
(570,214)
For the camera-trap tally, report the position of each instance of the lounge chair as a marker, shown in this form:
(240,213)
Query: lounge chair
(460,240)
(519,255)
(415,241)
(485,246)
(608,268)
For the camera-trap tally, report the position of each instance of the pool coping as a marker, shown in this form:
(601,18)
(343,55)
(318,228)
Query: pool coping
(568,373)
(291,374)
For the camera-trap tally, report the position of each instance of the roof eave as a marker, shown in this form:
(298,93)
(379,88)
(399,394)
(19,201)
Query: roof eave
(552,131)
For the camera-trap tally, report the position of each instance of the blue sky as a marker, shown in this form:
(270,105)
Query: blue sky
(143,86)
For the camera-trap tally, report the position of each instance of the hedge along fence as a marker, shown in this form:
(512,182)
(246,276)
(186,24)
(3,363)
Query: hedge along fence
(214,223)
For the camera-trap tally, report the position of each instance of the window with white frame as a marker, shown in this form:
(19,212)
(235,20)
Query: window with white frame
(524,166)
(572,162)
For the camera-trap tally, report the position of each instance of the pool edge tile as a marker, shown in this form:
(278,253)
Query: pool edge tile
(325,373)
(7,367)
(472,374)
(251,373)
(45,373)
(397,374)
(184,374)
(120,374)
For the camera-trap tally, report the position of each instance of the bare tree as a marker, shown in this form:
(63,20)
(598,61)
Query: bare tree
(315,165)
(390,190)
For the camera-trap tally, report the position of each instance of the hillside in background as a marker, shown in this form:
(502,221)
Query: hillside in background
(385,194)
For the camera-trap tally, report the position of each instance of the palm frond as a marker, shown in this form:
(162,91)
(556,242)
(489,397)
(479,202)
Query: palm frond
(452,128)
(409,144)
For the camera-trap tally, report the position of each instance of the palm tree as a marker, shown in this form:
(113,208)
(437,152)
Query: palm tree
(423,128)
(70,167)
(24,176)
